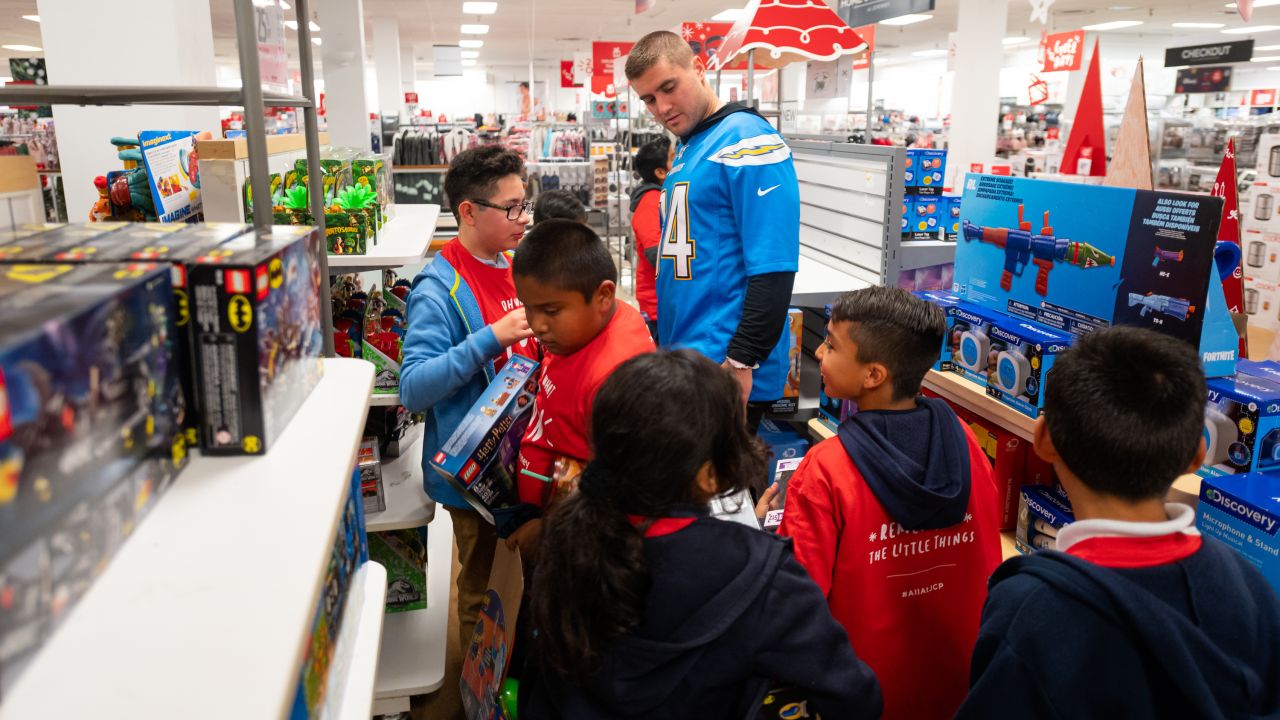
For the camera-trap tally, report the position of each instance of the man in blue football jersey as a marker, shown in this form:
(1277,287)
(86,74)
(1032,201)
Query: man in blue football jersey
(730,242)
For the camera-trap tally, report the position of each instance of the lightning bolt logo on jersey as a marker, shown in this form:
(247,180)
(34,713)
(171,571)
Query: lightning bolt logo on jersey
(731,209)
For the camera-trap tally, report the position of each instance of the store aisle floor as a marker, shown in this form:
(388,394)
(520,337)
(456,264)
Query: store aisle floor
(446,703)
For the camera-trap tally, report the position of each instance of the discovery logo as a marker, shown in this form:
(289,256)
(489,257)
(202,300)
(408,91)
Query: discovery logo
(1241,509)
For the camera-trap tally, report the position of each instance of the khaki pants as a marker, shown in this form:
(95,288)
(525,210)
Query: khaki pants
(475,539)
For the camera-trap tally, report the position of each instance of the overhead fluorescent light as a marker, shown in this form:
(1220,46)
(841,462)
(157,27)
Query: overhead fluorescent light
(5,80)
(1206,25)
(1256,3)
(929,53)
(1267,47)
(479,8)
(467,54)
(475,29)
(1016,40)
(284,5)
(314,27)
(1274,67)
(730,15)
(291,24)
(471,43)
(1248,30)
(22,48)
(906,20)
(32,18)
(468,63)
(1113,25)
(1266,58)
(315,41)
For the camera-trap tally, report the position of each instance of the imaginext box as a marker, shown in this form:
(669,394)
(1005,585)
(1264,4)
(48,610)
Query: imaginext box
(1243,511)
(969,335)
(257,341)
(1241,426)
(946,301)
(1024,352)
(1042,513)
(480,457)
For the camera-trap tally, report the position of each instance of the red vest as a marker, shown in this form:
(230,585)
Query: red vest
(910,601)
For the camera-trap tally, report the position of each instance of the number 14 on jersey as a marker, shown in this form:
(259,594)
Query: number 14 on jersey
(676,243)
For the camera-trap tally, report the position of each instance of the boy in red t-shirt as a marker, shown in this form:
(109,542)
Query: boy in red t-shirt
(652,163)
(566,279)
(897,517)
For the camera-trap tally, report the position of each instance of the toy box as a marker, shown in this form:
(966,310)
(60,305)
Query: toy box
(369,465)
(404,554)
(1241,426)
(1008,455)
(86,395)
(951,216)
(1261,302)
(927,216)
(1261,255)
(1243,511)
(23,231)
(1264,369)
(480,457)
(925,168)
(1023,355)
(257,341)
(1042,512)
(908,213)
(1135,257)
(969,336)
(946,301)
(65,242)
(793,340)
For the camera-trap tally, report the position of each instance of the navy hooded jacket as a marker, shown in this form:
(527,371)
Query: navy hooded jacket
(730,614)
(1065,638)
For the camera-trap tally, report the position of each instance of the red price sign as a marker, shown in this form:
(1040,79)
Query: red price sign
(1063,51)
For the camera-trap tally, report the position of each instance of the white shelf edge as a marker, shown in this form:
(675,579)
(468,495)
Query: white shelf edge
(351,676)
(423,631)
(408,505)
(404,240)
(384,400)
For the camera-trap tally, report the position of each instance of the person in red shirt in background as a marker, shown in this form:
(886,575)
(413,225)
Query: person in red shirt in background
(566,279)
(652,163)
(897,517)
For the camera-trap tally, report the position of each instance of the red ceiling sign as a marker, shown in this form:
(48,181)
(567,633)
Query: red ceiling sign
(1263,98)
(1063,51)
(603,85)
(566,75)
(604,53)
(867,33)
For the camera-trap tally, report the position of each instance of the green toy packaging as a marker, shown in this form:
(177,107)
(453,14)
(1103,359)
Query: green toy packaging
(404,554)
(345,233)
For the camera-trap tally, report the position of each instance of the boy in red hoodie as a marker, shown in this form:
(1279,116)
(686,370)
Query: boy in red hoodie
(652,163)
(896,518)
(566,279)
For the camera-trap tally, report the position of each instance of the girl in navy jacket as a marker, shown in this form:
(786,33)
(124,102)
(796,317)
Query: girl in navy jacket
(643,605)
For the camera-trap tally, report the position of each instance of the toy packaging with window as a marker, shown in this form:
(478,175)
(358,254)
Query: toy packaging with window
(480,457)
(1042,513)
(1134,257)
(946,301)
(1021,355)
(1241,426)
(969,336)
(1243,511)
(257,342)
(369,465)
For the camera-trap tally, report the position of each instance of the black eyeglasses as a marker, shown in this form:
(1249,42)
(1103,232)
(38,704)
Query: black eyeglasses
(513,211)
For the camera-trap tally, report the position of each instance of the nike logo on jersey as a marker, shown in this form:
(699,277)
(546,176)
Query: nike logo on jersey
(764,149)
(761,192)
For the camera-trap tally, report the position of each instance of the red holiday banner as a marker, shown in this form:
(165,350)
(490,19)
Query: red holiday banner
(566,75)
(603,54)
(706,38)
(602,85)
(1086,151)
(1229,229)
(1063,51)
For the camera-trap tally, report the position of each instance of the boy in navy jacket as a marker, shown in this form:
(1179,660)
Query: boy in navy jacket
(464,322)
(1134,615)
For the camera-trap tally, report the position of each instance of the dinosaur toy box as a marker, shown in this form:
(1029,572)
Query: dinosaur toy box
(1078,258)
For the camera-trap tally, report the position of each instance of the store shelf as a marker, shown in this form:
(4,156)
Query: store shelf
(138,95)
(411,661)
(926,253)
(973,397)
(349,694)
(817,284)
(218,584)
(1007,547)
(407,503)
(402,241)
(819,429)
(384,400)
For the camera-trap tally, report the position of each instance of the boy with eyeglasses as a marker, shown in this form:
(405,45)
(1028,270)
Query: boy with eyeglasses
(464,323)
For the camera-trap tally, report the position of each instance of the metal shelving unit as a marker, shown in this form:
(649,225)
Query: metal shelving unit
(249,96)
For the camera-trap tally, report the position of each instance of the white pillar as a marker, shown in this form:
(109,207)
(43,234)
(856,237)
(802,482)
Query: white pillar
(408,69)
(82,46)
(386,58)
(342,57)
(976,98)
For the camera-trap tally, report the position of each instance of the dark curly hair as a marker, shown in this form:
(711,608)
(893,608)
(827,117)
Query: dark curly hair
(474,173)
(592,579)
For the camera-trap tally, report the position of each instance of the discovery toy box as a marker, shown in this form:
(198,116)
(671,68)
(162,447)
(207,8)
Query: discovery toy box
(1241,426)
(946,301)
(257,341)
(1024,352)
(86,391)
(1042,513)
(1135,257)
(951,216)
(925,168)
(927,217)
(1243,511)
(480,457)
(969,336)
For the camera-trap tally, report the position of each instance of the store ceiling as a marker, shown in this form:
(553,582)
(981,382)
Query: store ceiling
(550,30)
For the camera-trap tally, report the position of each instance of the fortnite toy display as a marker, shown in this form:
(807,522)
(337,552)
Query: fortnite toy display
(1243,511)
(1241,426)
(256,308)
(1101,256)
(88,403)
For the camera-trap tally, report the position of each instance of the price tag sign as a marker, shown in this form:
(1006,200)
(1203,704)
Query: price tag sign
(273,61)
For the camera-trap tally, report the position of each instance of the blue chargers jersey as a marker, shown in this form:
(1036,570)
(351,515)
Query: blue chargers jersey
(731,209)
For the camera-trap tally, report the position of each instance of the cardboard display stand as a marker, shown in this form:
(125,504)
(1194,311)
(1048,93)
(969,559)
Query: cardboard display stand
(484,666)
(1081,257)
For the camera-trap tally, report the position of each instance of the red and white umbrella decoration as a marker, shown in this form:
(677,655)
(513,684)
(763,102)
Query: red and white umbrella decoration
(788,31)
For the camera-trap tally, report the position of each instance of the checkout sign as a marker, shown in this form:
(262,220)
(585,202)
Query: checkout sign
(1216,54)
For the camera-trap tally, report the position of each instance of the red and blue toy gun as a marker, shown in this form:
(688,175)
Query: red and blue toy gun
(1022,246)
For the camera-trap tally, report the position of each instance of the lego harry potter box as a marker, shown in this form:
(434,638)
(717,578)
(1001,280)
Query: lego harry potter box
(257,337)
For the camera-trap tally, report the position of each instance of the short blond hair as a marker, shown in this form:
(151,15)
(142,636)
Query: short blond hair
(660,45)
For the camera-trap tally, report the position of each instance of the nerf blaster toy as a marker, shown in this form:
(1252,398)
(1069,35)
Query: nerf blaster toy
(1171,255)
(1163,304)
(1021,246)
